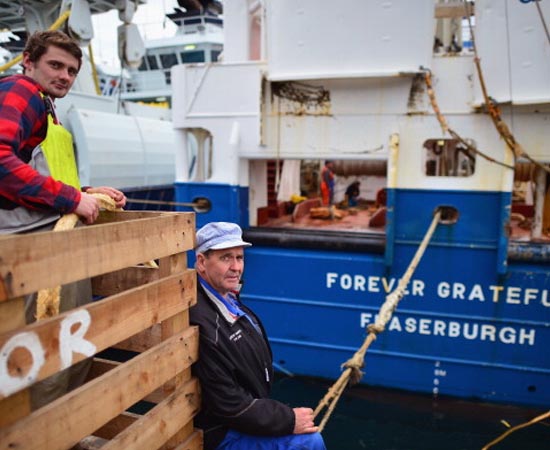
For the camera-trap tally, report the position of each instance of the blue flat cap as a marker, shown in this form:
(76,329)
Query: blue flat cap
(219,235)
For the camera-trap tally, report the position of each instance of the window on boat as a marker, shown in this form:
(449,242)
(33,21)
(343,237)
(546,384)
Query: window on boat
(168,60)
(288,193)
(530,215)
(199,154)
(448,158)
(452,31)
(214,54)
(143,66)
(152,62)
(195,56)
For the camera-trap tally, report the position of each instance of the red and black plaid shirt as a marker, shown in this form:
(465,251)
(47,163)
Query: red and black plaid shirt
(23,125)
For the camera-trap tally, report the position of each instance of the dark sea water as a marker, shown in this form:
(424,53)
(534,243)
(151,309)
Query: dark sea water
(383,419)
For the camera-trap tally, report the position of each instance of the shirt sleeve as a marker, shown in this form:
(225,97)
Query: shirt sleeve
(23,125)
(237,408)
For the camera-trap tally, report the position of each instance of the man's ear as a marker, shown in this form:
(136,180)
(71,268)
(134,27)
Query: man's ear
(26,62)
(200,261)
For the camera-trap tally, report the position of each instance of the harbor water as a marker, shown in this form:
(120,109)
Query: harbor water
(383,419)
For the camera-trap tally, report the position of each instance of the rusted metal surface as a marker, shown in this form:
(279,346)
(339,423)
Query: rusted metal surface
(416,103)
(301,99)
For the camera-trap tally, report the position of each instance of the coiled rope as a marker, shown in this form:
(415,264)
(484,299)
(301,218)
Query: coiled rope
(353,373)
(47,303)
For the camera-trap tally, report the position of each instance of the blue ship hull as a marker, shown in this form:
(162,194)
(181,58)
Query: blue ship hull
(472,324)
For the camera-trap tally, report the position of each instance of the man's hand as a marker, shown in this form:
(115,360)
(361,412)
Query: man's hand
(304,421)
(115,194)
(88,208)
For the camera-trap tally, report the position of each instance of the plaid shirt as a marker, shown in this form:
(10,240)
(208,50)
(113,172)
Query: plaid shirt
(23,125)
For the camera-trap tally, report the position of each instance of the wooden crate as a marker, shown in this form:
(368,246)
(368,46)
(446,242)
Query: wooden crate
(143,309)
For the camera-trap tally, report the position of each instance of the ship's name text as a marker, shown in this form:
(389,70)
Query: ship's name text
(512,295)
(454,329)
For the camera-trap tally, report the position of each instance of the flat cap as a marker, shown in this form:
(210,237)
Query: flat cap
(219,235)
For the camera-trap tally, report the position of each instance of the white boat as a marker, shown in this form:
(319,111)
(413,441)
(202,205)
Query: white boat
(198,39)
(306,81)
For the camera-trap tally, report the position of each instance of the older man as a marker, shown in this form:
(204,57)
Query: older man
(235,364)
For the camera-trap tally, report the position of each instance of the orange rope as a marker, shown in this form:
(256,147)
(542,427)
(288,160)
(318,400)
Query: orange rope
(493,110)
(517,427)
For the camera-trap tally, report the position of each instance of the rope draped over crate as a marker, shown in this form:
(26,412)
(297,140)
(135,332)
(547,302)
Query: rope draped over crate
(47,304)
(353,373)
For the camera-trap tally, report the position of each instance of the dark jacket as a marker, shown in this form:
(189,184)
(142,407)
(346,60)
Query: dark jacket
(236,373)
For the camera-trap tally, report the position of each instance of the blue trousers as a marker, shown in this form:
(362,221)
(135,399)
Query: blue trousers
(238,441)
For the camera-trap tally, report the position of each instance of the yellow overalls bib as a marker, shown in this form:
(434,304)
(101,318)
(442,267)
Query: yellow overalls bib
(55,157)
(59,153)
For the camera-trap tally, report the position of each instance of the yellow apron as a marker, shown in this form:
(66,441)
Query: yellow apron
(59,153)
(54,157)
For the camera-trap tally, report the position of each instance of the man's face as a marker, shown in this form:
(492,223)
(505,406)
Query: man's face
(55,71)
(222,269)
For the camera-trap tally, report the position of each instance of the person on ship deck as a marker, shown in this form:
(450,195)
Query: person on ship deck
(235,366)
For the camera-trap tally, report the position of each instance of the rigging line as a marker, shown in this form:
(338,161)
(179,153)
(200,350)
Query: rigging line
(517,427)
(542,20)
(492,108)
(352,374)
(446,128)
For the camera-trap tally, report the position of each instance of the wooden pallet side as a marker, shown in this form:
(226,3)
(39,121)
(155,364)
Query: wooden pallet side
(101,325)
(64,422)
(142,309)
(43,260)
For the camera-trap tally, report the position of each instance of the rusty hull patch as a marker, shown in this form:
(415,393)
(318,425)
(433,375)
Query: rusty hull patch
(415,102)
(301,99)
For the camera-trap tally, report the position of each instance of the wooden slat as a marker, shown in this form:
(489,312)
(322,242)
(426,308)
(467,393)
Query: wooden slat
(194,442)
(122,216)
(111,320)
(91,443)
(18,405)
(100,366)
(12,314)
(65,421)
(167,266)
(172,264)
(161,422)
(452,10)
(116,425)
(14,407)
(41,260)
(141,341)
(121,280)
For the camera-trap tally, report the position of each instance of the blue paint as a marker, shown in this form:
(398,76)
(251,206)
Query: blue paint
(472,324)
(229,203)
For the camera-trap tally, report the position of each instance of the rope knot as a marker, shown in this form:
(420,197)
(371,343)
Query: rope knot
(355,364)
(375,328)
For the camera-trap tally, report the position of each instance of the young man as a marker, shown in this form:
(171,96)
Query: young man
(235,363)
(38,174)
